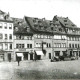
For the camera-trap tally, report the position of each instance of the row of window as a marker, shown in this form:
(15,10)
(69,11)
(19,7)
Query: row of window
(47,45)
(42,36)
(73,31)
(23,46)
(74,38)
(21,37)
(59,45)
(60,37)
(5,26)
(6,36)
(74,45)
(6,46)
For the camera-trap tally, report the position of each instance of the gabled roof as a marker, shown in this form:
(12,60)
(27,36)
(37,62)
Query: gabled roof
(43,25)
(21,26)
(37,24)
(66,22)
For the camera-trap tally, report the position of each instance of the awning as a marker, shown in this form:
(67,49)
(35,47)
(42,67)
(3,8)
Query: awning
(39,53)
(19,54)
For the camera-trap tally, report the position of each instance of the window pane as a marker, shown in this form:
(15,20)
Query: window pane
(5,36)
(10,46)
(10,36)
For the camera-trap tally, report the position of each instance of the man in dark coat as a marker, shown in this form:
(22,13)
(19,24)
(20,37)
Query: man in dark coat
(18,59)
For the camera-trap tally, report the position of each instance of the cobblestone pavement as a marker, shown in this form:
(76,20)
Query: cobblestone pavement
(42,69)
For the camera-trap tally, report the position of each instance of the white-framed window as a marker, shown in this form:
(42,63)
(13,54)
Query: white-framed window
(10,46)
(42,36)
(20,46)
(10,36)
(6,46)
(35,35)
(5,25)
(6,36)
(45,36)
(10,26)
(64,45)
(54,44)
(38,36)
(29,45)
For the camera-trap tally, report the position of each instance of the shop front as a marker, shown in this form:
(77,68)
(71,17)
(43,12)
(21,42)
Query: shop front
(38,55)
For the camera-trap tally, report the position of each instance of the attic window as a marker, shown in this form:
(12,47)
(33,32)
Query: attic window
(35,26)
(66,24)
(34,20)
(39,21)
(16,28)
(45,27)
(65,20)
(60,29)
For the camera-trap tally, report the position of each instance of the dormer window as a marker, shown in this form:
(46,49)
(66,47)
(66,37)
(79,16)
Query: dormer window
(60,29)
(73,25)
(1,17)
(34,20)
(65,20)
(16,28)
(39,21)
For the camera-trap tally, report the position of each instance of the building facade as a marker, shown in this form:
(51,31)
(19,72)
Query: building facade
(6,37)
(35,39)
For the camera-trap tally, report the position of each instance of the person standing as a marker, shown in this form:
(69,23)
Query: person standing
(18,59)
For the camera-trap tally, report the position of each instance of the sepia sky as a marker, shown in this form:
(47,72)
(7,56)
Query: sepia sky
(43,8)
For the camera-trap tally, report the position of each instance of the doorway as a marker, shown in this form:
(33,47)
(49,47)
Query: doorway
(25,55)
(9,57)
(31,56)
(49,55)
(38,57)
